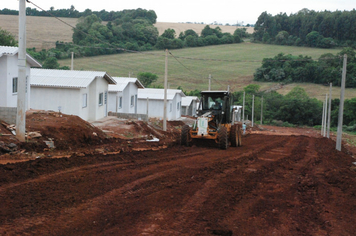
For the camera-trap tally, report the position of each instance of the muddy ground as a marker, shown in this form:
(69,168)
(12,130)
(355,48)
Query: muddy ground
(115,182)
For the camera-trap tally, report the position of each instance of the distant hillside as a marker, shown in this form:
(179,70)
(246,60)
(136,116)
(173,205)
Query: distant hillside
(43,32)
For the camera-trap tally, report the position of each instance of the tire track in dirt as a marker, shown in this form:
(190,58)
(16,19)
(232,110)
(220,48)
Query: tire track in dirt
(153,167)
(187,216)
(269,185)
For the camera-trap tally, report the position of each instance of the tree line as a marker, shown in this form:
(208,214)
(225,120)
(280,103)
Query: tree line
(73,13)
(327,69)
(324,29)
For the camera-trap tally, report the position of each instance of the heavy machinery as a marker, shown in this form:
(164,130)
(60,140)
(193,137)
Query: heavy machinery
(215,121)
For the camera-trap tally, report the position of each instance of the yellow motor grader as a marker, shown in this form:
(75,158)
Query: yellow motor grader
(215,121)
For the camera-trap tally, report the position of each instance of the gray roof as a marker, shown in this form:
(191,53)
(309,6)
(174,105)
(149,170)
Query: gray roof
(122,82)
(66,78)
(186,101)
(158,94)
(12,51)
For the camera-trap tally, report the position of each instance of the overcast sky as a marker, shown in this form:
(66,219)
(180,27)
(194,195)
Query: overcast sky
(221,11)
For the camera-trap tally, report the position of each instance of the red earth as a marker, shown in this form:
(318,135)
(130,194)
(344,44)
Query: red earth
(108,179)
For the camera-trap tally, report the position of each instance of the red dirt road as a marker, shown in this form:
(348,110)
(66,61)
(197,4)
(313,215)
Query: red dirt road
(272,185)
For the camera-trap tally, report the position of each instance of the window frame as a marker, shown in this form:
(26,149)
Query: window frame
(101,99)
(84,100)
(15,79)
(120,102)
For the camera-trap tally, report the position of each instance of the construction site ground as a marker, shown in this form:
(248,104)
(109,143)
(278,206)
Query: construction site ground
(126,177)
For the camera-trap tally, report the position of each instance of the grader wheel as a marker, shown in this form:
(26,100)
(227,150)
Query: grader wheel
(185,136)
(239,134)
(234,136)
(223,139)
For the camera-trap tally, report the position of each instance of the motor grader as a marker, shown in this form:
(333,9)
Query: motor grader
(215,121)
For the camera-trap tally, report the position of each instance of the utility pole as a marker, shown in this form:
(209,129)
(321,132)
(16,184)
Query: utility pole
(329,113)
(209,82)
(72,59)
(322,120)
(341,106)
(21,90)
(165,93)
(253,107)
(261,109)
(325,114)
(243,109)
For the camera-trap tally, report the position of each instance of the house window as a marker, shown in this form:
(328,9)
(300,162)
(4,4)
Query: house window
(101,96)
(178,105)
(132,101)
(120,102)
(85,96)
(14,84)
(170,107)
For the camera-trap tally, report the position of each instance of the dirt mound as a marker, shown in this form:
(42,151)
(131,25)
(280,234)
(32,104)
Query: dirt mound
(66,131)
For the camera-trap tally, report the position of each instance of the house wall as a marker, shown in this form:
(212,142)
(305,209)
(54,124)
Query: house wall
(8,114)
(156,108)
(3,81)
(177,107)
(83,110)
(97,111)
(131,90)
(8,70)
(113,102)
(44,98)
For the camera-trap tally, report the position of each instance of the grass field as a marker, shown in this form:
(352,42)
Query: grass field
(231,65)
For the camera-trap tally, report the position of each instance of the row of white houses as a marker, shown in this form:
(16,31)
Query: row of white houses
(87,94)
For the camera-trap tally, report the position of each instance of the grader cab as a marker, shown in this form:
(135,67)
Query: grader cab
(215,121)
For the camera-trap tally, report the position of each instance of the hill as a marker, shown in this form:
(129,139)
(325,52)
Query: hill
(189,68)
(43,32)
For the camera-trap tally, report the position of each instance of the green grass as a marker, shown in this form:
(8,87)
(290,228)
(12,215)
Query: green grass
(231,65)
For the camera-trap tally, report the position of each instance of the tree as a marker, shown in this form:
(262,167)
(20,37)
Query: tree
(146,78)
(51,63)
(6,39)
(169,33)
(252,88)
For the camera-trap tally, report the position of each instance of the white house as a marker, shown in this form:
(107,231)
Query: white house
(9,76)
(155,98)
(123,95)
(80,93)
(189,105)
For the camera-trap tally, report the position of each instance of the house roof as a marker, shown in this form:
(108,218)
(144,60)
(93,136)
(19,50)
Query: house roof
(158,94)
(66,78)
(122,82)
(12,51)
(186,101)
